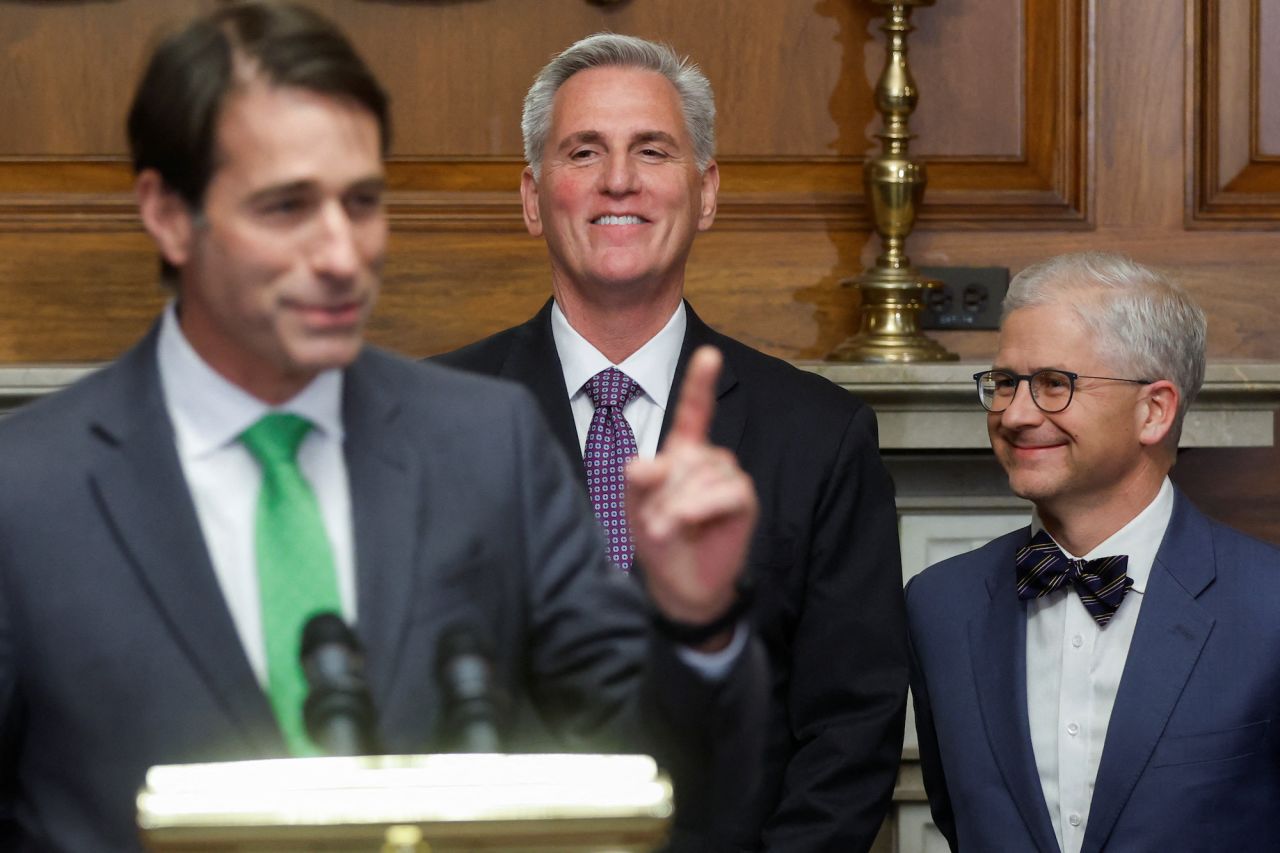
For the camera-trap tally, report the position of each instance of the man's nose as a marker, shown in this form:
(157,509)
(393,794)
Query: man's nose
(1022,409)
(619,176)
(334,253)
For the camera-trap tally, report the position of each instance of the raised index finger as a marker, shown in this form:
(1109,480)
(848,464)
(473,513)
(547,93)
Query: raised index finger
(692,420)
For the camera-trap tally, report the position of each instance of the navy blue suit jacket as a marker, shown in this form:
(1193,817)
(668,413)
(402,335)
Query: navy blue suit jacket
(1192,759)
(117,650)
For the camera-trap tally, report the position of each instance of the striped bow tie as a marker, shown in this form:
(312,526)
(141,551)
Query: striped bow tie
(1101,583)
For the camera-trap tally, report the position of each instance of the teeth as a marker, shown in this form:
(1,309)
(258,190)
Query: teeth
(616,220)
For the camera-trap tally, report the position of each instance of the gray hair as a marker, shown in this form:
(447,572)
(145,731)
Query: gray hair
(1143,321)
(604,50)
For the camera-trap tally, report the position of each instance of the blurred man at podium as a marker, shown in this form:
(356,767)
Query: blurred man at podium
(169,524)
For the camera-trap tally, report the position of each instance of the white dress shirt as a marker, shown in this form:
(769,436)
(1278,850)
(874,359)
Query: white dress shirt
(209,413)
(653,367)
(1074,669)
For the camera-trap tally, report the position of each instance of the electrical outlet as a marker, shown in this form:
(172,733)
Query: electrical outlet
(969,298)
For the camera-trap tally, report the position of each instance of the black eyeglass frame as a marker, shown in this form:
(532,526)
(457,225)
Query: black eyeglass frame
(1019,378)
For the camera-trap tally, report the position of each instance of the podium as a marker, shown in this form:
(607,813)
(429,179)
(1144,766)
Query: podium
(408,804)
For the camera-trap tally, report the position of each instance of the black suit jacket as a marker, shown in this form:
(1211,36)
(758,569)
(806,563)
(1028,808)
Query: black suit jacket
(829,603)
(117,650)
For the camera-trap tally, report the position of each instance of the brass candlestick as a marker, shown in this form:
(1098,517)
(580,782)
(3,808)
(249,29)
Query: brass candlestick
(893,291)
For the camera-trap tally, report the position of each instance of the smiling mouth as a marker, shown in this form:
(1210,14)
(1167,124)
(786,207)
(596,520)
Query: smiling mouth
(617,220)
(1035,448)
(332,317)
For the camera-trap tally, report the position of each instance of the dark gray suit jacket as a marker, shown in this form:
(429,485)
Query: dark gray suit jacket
(117,650)
(825,555)
(1192,756)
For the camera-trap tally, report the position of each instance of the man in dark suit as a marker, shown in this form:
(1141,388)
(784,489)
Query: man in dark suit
(619,137)
(1107,678)
(143,578)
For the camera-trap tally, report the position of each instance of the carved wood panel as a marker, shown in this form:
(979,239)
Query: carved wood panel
(1235,124)
(795,82)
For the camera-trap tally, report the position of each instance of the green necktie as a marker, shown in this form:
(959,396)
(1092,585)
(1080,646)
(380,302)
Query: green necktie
(296,577)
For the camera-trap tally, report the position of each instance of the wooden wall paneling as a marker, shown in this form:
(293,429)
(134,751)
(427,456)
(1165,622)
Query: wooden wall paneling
(1267,93)
(61,69)
(812,179)
(796,108)
(461,265)
(1234,485)
(1047,185)
(66,75)
(1233,99)
(75,297)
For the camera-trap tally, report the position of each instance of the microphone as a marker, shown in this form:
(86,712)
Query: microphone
(339,712)
(465,675)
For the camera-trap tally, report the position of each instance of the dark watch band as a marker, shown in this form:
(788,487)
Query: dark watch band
(690,634)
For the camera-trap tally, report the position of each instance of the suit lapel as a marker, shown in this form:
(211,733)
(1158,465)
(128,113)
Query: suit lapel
(385,510)
(730,418)
(143,495)
(533,362)
(998,643)
(1171,631)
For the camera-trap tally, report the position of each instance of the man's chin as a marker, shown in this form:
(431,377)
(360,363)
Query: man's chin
(1031,486)
(327,353)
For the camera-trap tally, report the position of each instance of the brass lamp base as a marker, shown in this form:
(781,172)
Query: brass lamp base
(892,290)
(890,328)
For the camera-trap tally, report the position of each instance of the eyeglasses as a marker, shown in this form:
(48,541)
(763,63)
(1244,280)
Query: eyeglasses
(1051,390)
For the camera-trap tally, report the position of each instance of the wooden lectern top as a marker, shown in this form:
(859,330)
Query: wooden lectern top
(409,804)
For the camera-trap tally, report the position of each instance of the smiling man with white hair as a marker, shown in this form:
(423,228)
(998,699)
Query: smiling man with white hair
(619,137)
(1105,679)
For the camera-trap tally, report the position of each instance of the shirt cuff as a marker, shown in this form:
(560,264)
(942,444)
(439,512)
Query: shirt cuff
(715,666)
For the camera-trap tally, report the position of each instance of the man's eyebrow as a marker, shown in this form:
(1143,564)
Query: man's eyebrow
(302,187)
(275,190)
(375,183)
(1004,369)
(655,136)
(588,137)
(580,137)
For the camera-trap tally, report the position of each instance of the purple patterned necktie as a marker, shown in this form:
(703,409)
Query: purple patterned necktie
(610,445)
(1101,583)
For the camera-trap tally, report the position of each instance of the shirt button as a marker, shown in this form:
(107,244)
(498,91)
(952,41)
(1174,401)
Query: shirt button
(1073,819)
(1073,729)
(1077,641)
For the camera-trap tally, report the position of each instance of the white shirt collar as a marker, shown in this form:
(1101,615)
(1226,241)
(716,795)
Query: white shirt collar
(653,366)
(209,412)
(1140,539)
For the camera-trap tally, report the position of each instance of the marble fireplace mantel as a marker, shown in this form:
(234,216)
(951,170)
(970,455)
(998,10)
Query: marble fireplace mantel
(935,406)
(920,406)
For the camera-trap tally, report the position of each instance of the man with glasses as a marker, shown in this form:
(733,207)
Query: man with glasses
(1105,679)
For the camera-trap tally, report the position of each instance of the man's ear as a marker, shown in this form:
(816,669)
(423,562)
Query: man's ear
(529,202)
(710,190)
(1157,409)
(166,216)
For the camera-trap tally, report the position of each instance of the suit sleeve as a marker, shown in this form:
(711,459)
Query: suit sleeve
(599,677)
(10,724)
(847,696)
(935,782)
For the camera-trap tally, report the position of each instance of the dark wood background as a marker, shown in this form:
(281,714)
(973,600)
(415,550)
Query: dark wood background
(1049,126)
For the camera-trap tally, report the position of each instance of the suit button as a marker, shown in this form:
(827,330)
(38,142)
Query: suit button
(1073,819)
